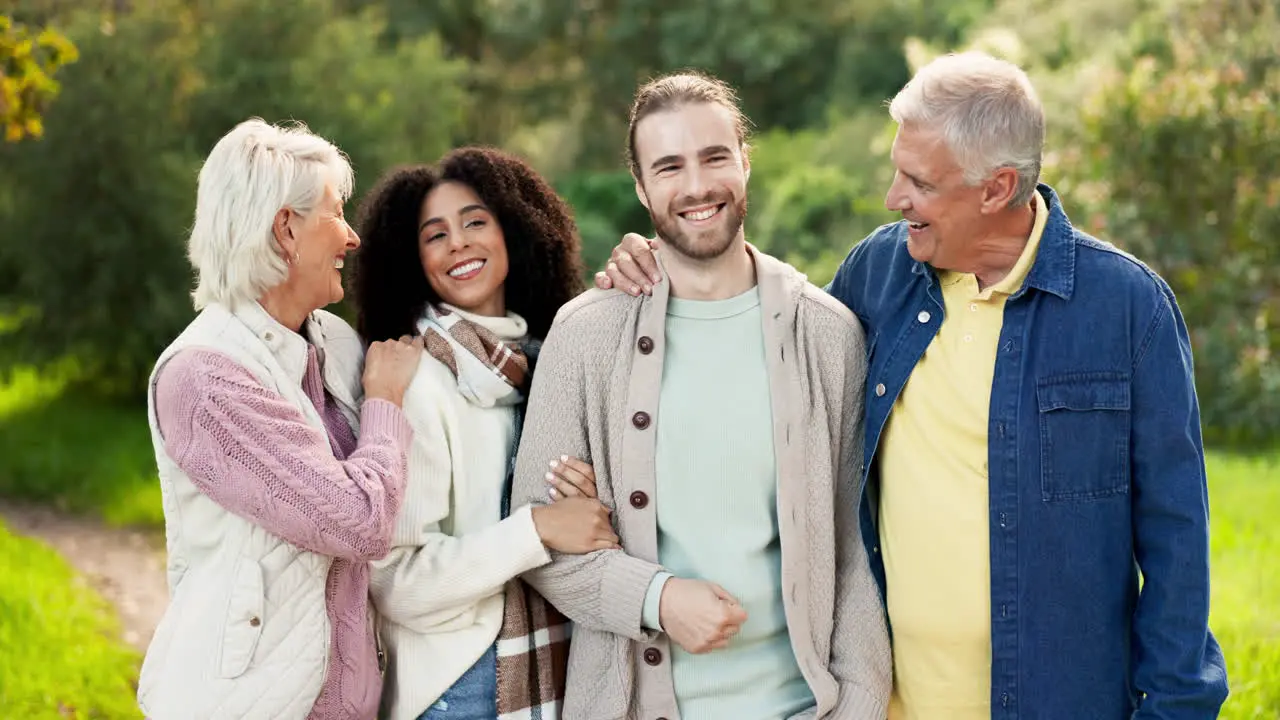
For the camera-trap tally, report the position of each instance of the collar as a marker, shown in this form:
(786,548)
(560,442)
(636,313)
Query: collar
(779,285)
(288,347)
(1054,268)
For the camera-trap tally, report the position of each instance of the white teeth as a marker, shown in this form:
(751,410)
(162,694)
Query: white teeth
(464,269)
(337,264)
(702,214)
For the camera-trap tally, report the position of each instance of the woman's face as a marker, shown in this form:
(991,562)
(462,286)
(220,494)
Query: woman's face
(463,251)
(322,240)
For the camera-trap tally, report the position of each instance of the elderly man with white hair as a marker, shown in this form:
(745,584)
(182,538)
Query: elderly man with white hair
(1033,441)
(272,507)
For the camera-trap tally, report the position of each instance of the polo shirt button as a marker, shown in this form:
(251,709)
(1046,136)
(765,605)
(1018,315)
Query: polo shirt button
(639,500)
(879,389)
(645,344)
(640,420)
(653,656)
(923,316)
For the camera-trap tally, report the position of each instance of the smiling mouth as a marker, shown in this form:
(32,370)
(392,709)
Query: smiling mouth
(703,214)
(917,226)
(466,269)
(338,263)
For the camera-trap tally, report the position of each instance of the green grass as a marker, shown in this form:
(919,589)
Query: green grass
(74,452)
(1244,497)
(60,656)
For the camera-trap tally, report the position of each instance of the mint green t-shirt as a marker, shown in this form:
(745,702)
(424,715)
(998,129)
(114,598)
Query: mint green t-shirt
(717,505)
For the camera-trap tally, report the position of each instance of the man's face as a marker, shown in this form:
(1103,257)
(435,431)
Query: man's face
(944,214)
(693,178)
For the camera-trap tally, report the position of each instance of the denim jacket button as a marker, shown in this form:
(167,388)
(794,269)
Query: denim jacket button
(923,316)
(879,389)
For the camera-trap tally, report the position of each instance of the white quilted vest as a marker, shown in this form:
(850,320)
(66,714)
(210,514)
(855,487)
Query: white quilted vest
(246,632)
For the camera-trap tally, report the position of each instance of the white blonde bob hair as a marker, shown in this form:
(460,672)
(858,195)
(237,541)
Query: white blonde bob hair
(987,112)
(251,174)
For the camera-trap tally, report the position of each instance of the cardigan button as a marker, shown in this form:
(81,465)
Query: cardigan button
(640,420)
(645,344)
(254,621)
(639,500)
(653,656)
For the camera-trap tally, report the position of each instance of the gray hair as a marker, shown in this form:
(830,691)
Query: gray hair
(252,173)
(988,113)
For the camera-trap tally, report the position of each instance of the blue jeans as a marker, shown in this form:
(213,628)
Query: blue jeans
(474,696)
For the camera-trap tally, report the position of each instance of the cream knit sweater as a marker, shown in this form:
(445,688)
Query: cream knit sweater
(439,591)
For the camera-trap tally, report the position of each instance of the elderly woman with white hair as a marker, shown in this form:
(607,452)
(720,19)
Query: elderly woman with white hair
(272,507)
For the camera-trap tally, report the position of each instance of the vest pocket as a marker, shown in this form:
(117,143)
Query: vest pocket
(244,619)
(1084,435)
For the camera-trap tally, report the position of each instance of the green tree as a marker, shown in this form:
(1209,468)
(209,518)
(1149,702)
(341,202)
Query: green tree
(1177,161)
(101,212)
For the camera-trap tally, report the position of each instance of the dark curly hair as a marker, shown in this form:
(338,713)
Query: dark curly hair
(545,267)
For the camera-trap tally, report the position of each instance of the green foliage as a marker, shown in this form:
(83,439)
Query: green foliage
(28,62)
(103,218)
(1177,162)
(61,657)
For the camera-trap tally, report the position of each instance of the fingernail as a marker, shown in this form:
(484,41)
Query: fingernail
(550,477)
(635,290)
(656,279)
(564,458)
(647,289)
(554,463)
(552,493)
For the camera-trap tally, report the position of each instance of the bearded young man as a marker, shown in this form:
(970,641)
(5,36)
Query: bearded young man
(723,416)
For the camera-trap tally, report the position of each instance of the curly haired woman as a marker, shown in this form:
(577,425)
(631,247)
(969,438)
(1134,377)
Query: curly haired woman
(476,255)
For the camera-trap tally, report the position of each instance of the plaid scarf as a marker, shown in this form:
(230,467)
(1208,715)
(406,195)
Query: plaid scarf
(533,642)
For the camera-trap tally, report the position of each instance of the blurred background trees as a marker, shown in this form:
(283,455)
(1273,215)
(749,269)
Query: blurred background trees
(1164,137)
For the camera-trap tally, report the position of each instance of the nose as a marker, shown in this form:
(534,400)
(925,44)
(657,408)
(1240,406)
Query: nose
(696,182)
(896,199)
(458,240)
(353,239)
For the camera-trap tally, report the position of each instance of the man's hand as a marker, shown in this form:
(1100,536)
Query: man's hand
(699,616)
(632,267)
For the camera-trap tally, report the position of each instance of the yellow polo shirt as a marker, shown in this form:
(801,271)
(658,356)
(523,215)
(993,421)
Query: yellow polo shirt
(933,505)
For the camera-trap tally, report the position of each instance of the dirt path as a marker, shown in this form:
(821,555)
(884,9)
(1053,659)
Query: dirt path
(125,566)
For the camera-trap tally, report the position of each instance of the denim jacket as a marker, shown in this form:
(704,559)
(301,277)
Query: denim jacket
(1096,475)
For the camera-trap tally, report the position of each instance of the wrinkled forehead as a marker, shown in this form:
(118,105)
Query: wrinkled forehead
(922,151)
(684,131)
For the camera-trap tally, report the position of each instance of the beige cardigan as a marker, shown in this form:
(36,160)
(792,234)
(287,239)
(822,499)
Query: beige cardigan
(595,396)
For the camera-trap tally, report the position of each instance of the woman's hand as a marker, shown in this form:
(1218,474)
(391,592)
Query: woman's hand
(389,367)
(570,477)
(575,526)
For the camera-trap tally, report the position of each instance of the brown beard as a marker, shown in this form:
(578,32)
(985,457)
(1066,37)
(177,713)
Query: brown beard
(710,243)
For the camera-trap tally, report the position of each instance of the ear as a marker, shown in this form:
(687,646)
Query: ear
(999,190)
(640,193)
(746,160)
(283,231)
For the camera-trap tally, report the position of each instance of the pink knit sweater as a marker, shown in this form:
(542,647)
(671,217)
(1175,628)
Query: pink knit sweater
(254,453)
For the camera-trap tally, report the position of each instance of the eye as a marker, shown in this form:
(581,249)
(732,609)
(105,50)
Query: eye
(433,236)
(475,223)
(718,159)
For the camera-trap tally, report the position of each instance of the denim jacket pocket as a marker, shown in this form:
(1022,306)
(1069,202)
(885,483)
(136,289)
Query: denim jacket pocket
(1084,435)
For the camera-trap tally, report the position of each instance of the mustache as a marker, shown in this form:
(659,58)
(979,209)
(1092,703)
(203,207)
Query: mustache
(711,198)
